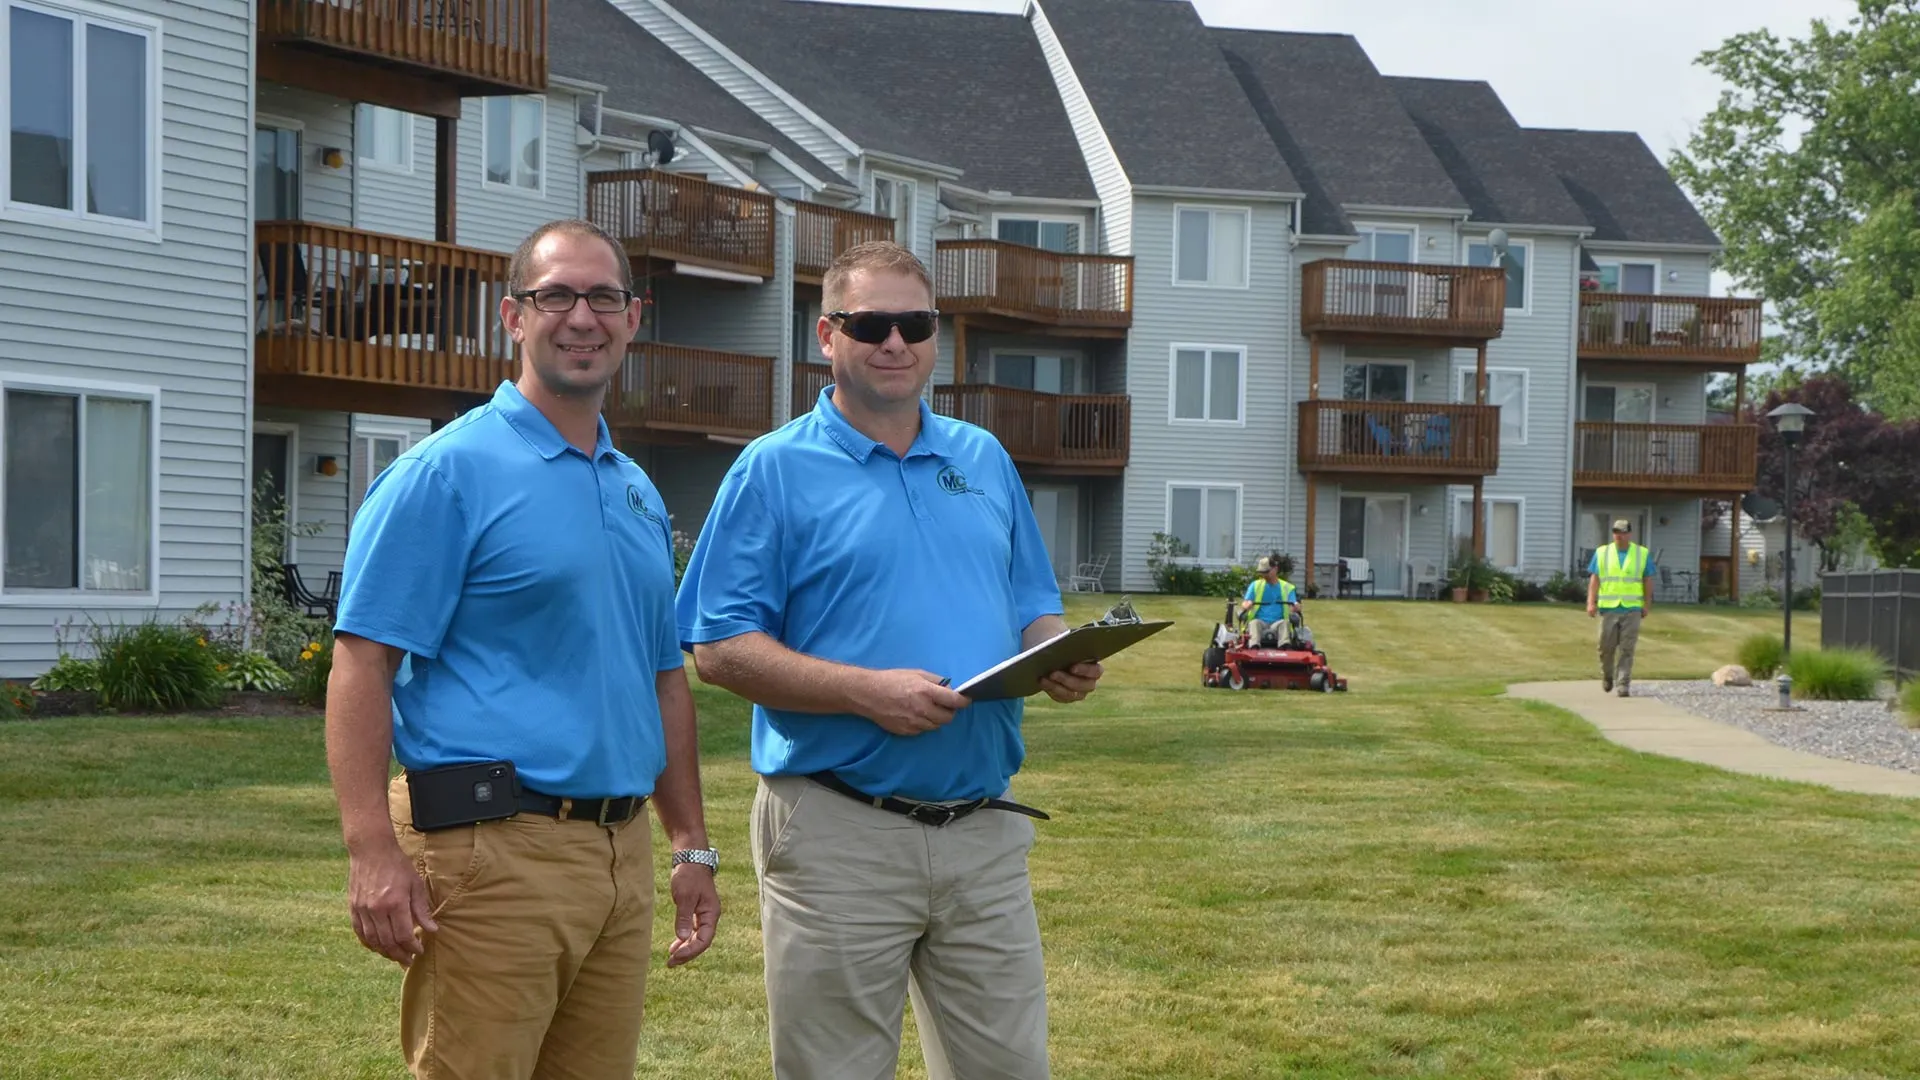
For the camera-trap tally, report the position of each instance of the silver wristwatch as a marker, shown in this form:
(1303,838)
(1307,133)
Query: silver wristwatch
(706,857)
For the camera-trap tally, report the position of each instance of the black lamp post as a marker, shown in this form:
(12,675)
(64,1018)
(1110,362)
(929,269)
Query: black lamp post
(1791,420)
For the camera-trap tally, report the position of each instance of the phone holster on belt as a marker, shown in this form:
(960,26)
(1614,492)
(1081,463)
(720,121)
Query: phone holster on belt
(463,794)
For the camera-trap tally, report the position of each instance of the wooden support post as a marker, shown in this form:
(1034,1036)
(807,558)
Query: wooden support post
(1739,395)
(959,349)
(1313,499)
(1733,548)
(1480,380)
(446,176)
(1479,513)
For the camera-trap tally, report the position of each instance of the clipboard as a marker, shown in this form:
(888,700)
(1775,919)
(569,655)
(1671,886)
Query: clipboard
(1019,676)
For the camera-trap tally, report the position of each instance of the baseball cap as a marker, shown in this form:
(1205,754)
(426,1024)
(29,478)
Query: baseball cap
(1263,564)
(1622,525)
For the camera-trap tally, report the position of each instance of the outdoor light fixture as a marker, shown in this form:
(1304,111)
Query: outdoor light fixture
(326,465)
(1791,421)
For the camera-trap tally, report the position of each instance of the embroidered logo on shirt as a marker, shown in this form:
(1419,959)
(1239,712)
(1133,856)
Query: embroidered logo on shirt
(954,482)
(637,503)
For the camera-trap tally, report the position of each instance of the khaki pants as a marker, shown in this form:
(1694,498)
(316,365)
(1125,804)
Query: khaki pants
(539,968)
(1619,633)
(862,909)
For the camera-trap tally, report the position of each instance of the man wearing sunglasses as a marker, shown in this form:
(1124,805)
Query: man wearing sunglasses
(506,628)
(855,562)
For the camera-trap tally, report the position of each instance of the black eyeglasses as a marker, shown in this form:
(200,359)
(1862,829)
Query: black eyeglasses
(873,327)
(558,300)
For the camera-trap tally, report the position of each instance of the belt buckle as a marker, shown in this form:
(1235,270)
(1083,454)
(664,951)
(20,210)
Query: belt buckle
(605,806)
(946,814)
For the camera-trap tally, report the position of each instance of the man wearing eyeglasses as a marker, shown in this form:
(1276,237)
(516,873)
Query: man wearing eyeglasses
(506,629)
(856,562)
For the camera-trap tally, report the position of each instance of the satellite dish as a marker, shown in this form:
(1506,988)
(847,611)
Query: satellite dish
(660,144)
(1497,240)
(1760,508)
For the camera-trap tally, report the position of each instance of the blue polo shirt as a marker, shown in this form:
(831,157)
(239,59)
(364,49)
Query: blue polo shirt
(531,588)
(827,542)
(1271,605)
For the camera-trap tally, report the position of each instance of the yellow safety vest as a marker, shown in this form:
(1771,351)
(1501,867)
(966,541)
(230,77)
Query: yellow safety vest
(1260,591)
(1621,576)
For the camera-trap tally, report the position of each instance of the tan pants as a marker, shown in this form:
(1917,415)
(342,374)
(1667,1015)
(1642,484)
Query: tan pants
(539,968)
(862,909)
(1619,633)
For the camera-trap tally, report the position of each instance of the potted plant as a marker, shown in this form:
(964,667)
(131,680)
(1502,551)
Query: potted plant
(1471,578)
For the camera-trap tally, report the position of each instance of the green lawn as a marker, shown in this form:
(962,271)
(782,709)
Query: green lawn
(1416,878)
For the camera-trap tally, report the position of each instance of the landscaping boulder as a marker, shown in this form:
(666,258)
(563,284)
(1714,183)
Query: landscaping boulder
(1732,675)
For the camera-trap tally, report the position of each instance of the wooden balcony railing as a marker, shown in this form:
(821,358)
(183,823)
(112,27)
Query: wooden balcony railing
(1087,431)
(704,391)
(821,233)
(1412,301)
(489,46)
(676,218)
(993,277)
(1410,438)
(1623,326)
(1693,458)
(808,381)
(338,303)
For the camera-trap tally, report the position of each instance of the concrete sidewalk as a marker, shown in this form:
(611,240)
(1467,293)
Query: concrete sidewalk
(1656,727)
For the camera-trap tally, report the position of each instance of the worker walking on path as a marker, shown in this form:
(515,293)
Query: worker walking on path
(1620,592)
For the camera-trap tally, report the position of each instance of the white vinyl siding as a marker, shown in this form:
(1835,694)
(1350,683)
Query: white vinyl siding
(894,197)
(1211,247)
(1103,164)
(1206,518)
(83,116)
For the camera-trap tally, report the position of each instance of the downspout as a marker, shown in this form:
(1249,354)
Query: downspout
(1573,415)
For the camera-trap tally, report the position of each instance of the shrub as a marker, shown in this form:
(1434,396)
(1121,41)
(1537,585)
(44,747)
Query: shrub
(1836,674)
(1567,589)
(69,673)
(311,670)
(1767,598)
(253,670)
(16,701)
(1529,592)
(1760,655)
(270,621)
(1910,702)
(153,666)
(682,554)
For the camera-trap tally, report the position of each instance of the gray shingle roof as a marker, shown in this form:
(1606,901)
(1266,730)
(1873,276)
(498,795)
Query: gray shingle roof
(969,90)
(1486,152)
(593,41)
(1626,193)
(1339,126)
(1172,108)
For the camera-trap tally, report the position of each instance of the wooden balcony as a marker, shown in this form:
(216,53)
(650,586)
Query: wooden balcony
(410,54)
(1399,438)
(362,321)
(1703,459)
(1027,287)
(821,233)
(1063,434)
(684,390)
(808,381)
(1390,303)
(670,218)
(1715,331)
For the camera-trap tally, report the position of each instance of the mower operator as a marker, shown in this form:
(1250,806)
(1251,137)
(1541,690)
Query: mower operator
(1619,591)
(1268,600)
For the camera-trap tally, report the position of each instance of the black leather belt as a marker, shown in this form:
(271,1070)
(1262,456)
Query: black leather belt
(926,813)
(599,811)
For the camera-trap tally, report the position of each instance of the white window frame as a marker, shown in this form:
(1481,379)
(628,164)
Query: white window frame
(1206,384)
(282,123)
(1239,516)
(407,137)
(82,13)
(1378,361)
(292,432)
(545,157)
(1659,270)
(1413,231)
(1526,273)
(368,434)
(902,185)
(1061,219)
(81,596)
(1246,253)
(1463,512)
(1465,393)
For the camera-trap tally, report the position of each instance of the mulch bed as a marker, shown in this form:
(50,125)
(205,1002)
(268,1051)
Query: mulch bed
(58,703)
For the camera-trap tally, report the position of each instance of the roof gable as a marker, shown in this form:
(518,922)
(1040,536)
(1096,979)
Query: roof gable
(1486,153)
(1622,188)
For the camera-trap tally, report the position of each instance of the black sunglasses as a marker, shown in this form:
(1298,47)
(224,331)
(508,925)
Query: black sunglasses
(873,327)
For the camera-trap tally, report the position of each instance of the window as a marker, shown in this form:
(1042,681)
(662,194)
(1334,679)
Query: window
(893,198)
(276,174)
(1383,244)
(373,451)
(1206,383)
(513,143)
(1641,279)
(1062,236)
(1506,388)
(383,137)
(1519,253)
(1377,381)
(1054,374)
(1502,516)
(79,479)
(1206,520)
(1210,247)
(82,111)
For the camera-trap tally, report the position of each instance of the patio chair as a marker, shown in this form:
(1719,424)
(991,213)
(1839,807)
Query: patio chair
(1426,578)
(1356,575)
(1087,576)
(317,605)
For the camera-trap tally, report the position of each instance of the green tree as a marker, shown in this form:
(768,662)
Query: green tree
(1809,169)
